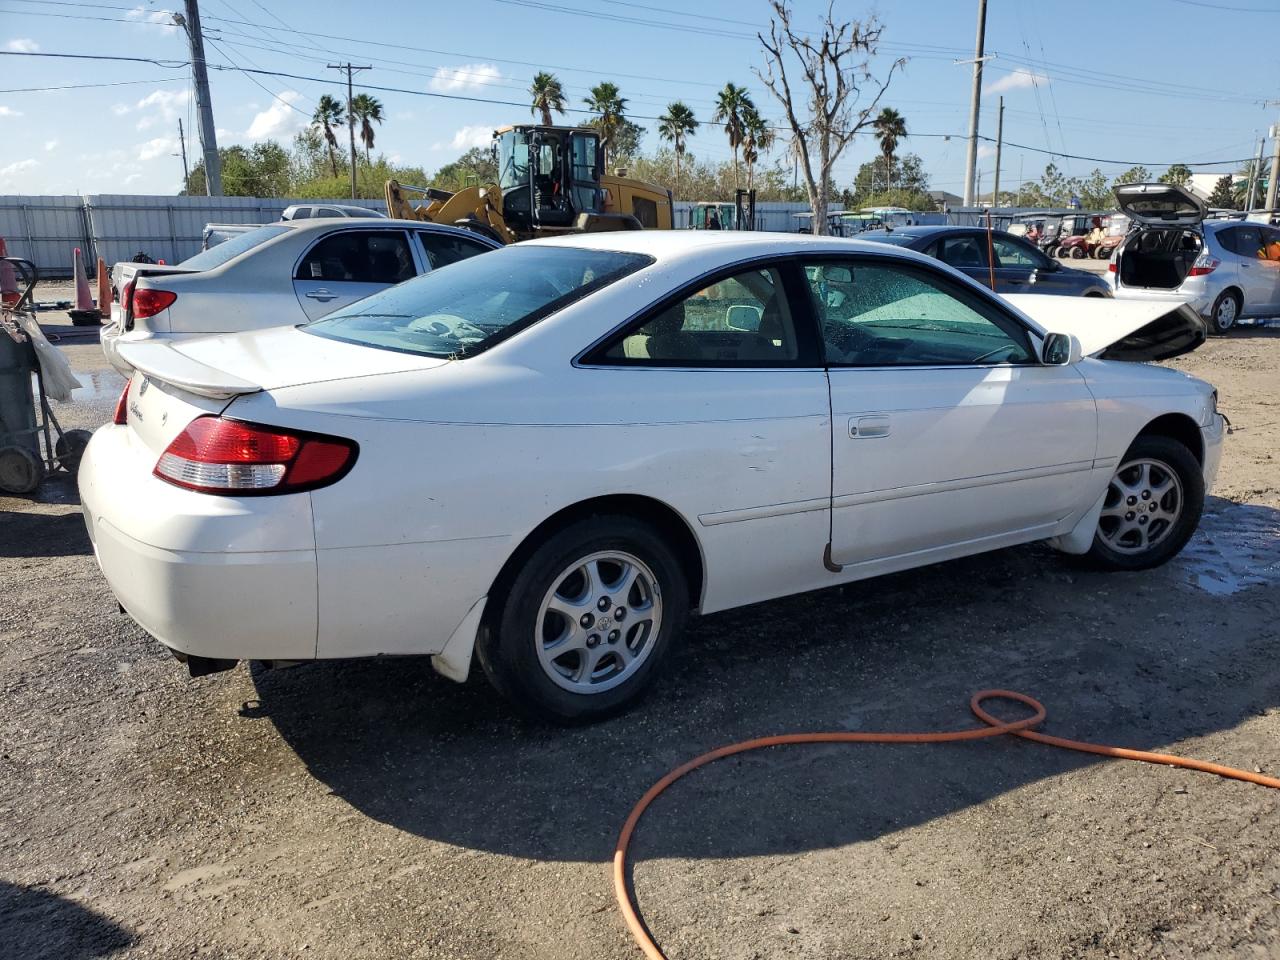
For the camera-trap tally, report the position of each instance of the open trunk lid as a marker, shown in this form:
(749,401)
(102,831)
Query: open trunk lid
(1118,329)
(1160,204)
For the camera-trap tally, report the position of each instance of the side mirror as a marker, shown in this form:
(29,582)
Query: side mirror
(1061,350)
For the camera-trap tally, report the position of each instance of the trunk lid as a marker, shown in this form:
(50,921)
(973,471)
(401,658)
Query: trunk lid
(125,273)
(1118,329)
(1160,204)
(228,365)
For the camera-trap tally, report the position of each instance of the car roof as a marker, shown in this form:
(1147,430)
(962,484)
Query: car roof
(346,223)
(672,245)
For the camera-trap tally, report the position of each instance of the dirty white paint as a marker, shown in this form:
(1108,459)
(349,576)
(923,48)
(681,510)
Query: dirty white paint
(1236,547)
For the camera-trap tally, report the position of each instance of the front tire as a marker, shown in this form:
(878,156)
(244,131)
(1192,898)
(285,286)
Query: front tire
(1152,507)
(1225,312)
(583,626)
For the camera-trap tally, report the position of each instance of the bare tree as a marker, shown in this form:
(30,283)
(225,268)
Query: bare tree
(834,69)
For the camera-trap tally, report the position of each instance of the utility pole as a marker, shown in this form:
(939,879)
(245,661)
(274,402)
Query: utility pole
(995,188)
(1275,167)
(351,121)
(204,106)
(975,104)
(1255,175)
(182,145)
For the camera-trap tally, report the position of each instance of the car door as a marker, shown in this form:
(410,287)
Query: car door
(730,418)
(441,249)
(1021,268)
(346,265)
(1256,280)
(1269,265)
(947,433)
(967,252)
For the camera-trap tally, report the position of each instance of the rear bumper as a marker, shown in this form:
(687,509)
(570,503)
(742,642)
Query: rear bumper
(1200,300)
(207,576)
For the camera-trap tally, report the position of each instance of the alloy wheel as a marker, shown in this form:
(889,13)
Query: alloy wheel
(598,622)
(1226,313)
(1143,503)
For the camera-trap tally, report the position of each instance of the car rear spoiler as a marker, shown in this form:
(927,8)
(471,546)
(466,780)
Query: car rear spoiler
(163,361)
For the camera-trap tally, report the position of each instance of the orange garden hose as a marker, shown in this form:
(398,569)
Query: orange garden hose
(994,728)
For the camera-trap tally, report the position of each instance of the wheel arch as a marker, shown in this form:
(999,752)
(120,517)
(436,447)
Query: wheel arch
(1180,427)
(674,527)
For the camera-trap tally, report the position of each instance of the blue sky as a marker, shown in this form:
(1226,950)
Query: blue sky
(1134,80)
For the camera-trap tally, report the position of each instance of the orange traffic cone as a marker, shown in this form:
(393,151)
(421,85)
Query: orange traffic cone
(85,314)
(104,290)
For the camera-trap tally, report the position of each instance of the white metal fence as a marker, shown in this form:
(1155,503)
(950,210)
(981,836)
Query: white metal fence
(46,229)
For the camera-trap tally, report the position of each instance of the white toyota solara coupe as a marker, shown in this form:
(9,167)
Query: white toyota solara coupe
(549,455)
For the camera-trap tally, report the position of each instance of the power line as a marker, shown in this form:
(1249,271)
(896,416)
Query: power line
(86,86)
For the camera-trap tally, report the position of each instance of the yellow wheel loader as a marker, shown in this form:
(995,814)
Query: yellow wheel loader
(551,181)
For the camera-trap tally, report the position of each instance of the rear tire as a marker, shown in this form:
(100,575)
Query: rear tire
(1078,253)
(610,595)
(1152,507)
(1225,312)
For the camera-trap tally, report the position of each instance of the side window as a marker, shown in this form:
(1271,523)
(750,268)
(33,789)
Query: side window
(741,321)
(442,250)
(646,211)
(1271,244)
(1227,239)
(962,252)
(1010,254)
(359,256)
(873,315)
(327,212)
(302,213)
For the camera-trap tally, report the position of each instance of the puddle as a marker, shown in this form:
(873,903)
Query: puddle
(1236,547)
(97,385)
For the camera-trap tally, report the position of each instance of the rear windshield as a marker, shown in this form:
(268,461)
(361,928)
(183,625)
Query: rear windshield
(900,239)
(469,306)
(230,249)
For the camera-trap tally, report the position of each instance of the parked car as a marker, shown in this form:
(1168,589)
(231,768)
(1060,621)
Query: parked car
(1020,267)
(310,211)
(1226,269)
(551,454)
(282,273)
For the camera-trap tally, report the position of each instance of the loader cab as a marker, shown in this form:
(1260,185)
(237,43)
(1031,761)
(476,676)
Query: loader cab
(548,175)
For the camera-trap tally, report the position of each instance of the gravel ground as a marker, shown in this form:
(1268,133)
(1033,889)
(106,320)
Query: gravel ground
(373,809)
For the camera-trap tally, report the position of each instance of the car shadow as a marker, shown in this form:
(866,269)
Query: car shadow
(36,924)
(25,534)
(1139,659)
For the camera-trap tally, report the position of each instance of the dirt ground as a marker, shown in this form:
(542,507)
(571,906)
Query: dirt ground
(373,809)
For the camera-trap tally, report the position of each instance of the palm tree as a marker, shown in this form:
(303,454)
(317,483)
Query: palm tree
(610,108)
(674,125)
(732,104)
(548,95)
(329,114)
(890,128)
(757,138)
(368,110)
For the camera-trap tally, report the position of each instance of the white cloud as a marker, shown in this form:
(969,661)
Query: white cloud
(162,17)
(51,144)
(158,106)
(22,45)
(279,119)
(10,175)
(9,112)
(1016,80)
(157,148)
(471,76)
(986,150)
(468,137)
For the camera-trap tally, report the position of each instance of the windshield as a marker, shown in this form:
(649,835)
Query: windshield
(467,307)
(513,159)
(230,249)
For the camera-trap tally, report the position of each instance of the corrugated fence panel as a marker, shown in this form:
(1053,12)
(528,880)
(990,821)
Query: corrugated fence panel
(45,229)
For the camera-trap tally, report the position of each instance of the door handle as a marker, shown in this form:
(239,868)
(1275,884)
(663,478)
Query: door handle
(868,428)
(322,294)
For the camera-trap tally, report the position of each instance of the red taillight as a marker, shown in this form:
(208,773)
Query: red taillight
(148,302)
(1111,267)
(1204,266)
(121,416)
(126,297)
(214,455)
